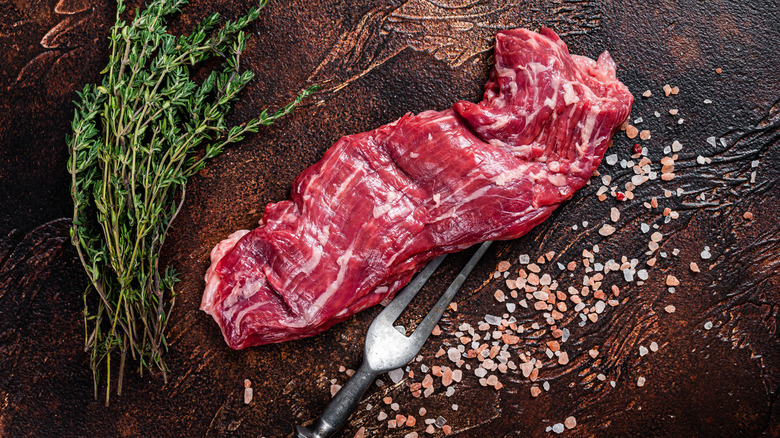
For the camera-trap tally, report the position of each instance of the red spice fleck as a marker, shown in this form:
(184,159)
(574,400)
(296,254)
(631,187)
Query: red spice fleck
(620,196)
(637,148)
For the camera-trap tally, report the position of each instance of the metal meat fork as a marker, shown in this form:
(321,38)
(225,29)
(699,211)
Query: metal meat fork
(386,348)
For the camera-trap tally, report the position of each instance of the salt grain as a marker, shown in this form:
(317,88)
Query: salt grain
(606,230)
(524,259)
(640,381)
(248,393)
(558,428)
(642,350)
(396,375)
(708,325)
(705,254)
(653,346)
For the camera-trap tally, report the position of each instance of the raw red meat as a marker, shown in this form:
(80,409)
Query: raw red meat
(381,204)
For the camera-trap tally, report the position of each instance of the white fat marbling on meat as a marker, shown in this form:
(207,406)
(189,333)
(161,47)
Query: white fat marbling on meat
(569,95)
(557,179)
(343,262)
(587,131)
(347,181)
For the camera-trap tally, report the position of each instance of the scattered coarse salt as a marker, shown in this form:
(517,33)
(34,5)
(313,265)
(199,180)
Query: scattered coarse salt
(611,159)
(504,266)
(361,433)
(334,389)
(642,350)
(670,309)
(640,381)
(653,346)
(705,254)
(707,101)
(558,428)
(631,131)
(614,214)
(667,90)
(748,215)
(645,134)
(695,267)
(647,93)
(671,280)
(570,422)
(708,325)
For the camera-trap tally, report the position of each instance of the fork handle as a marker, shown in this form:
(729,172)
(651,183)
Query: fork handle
(341,407)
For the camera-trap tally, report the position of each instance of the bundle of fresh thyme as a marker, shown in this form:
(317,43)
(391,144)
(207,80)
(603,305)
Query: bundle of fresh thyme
(136,139)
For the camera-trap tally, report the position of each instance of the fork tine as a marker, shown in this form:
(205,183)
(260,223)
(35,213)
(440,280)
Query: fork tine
(403,298)
(424,329)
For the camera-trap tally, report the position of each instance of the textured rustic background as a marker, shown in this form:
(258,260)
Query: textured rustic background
(380,60)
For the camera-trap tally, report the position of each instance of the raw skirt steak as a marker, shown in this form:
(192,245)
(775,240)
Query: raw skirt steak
(381,204)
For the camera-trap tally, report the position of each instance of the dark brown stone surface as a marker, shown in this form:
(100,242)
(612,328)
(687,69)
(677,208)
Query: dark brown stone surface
(378,61)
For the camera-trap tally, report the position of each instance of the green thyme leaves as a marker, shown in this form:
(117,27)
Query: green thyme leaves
(136,139)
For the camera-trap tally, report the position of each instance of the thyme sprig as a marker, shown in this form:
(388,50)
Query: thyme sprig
(136,139)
